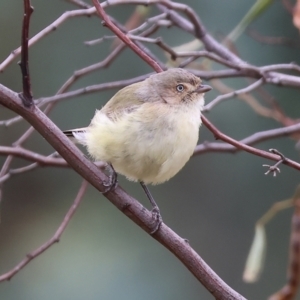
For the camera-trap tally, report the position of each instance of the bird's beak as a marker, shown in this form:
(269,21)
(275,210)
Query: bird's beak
(203,88)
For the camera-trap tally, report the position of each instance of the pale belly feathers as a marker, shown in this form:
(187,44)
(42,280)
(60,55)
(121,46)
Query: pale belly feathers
(146,147)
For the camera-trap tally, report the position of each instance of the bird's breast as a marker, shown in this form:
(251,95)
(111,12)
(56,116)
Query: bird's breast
(150,144)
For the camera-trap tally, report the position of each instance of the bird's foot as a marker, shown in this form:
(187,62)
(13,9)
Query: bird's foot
(157,219)
(112,181)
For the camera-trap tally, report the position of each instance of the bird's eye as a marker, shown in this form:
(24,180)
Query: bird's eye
(180,87)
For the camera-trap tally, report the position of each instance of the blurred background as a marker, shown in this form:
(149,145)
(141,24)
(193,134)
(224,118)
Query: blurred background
(213,202)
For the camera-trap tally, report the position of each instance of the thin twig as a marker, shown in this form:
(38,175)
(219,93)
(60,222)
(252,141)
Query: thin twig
(291,66)
(196,28)
(11,121)
(219,135)
(87,70)
(26,95)
(193,55)
(275,168)
(33,156)
(47,30)
(125,38)
(91,89)
(159,21)
(245,90)
(155,22)
(250,140)
(55,239)
(31,167)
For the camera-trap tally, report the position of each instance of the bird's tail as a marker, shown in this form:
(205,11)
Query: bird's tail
(77,135)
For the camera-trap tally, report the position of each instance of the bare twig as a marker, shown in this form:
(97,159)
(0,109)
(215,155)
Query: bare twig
(275,169)
(52,27)
(125,38)
(190,22)
(158,41)
(62,95)
(26,95)
(196,28)
(291,66)
(156,22)
(55,239)
(11,121)
(219,135)
(90,89)
(250,140)
(193,55)
(169,8)
(33,156)
(87,70)
(245,90)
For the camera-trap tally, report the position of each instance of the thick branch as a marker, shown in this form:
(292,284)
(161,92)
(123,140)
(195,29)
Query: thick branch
(128,205)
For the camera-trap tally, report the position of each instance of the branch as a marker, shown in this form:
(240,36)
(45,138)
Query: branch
(275,168)
(128,205)
(55,239)
(201,33)
(52,27)
(245,90)
(90,89)
(243,69)
(250,140)
(26,96)
(33,156)
(219,135)
(107,22)
(124,202)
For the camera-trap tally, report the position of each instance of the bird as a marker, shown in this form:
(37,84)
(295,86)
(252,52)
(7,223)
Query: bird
(148,130)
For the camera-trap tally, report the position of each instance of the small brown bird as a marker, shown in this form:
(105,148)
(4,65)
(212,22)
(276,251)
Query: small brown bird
(148,130)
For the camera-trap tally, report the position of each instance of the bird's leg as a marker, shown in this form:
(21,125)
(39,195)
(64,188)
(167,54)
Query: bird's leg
(155,209)
(112,182)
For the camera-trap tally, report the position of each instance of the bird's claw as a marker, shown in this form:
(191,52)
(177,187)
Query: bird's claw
(156,216)
(112,182)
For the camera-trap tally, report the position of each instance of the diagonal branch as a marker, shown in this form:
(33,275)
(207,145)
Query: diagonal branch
(219,135)
(245,90)
(107,22)
(47,30)
(124,202)
(55,239)
(250,140)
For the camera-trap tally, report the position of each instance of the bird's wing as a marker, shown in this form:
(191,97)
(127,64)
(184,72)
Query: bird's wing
(123,102)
